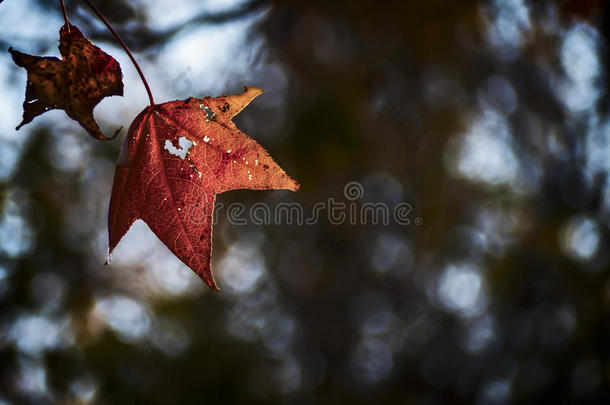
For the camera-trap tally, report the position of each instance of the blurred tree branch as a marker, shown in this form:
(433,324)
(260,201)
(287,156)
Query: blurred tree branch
(141,36)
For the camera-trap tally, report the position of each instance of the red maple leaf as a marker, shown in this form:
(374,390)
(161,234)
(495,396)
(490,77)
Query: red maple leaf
(76,83)
(176,157)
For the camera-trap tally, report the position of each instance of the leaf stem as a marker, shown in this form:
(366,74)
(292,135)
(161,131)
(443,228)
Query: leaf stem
(127,51)
(63,9)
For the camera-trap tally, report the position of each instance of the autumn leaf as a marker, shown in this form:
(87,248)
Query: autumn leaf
(76,83)
(176,157)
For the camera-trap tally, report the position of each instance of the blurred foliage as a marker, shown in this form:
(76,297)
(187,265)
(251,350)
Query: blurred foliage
(488,117)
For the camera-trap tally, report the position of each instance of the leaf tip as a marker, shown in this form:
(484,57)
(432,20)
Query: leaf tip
(254,91)
(249,94)
(236,103)
(208,279)
(107,261)
(16,55)
(294,185)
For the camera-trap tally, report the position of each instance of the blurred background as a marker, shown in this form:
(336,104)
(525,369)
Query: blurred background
(489,118)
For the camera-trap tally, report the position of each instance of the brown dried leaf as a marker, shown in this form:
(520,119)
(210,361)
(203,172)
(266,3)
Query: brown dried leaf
(76,83)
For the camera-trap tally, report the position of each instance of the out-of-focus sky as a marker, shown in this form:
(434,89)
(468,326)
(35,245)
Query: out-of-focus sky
(488,119)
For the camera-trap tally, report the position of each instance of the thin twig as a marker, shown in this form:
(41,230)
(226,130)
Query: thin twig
(63,9)
(133,60)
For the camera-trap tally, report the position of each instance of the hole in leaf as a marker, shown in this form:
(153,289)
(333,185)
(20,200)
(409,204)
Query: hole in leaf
(184,146)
